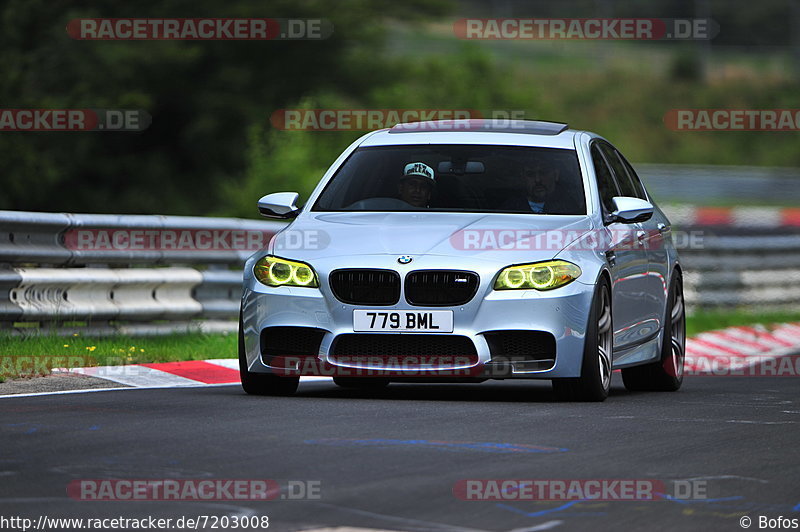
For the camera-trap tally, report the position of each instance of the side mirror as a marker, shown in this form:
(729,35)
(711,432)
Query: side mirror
(279,205)
(631,210)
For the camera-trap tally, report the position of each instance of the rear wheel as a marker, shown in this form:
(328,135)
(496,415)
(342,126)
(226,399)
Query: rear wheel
(262,383)
(363,383)
(666,375)
(595,380)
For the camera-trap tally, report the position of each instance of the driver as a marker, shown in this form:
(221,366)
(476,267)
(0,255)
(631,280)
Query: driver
(541,181)
(416,184)
(542,184)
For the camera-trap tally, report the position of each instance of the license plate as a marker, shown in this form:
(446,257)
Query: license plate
(438,321)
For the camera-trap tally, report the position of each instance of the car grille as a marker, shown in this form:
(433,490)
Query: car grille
(524,350)
(290,342)
(366,287)
(413,349)
(440,287)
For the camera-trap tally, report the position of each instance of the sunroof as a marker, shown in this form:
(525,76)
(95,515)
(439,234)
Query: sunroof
(532,127)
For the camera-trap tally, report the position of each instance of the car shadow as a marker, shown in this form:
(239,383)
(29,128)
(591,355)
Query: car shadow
(525,391)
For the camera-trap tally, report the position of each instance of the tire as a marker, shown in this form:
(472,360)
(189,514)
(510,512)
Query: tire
(362,383)
(595,380)
(666,375)
(262,383)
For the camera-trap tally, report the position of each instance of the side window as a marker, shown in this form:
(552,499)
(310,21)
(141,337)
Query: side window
(637,183)
(605,181)
(626,187)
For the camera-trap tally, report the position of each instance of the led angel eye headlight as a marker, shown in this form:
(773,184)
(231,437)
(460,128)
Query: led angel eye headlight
(273,271)
(538,276)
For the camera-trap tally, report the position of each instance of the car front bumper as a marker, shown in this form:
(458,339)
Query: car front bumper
(563,313)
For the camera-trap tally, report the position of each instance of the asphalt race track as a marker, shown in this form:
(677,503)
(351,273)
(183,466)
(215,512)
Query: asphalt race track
(390,459)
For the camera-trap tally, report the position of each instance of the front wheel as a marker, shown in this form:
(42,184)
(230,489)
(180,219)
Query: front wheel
(595,380)
(666,375)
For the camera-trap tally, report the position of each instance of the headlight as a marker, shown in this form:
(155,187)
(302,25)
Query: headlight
(273,271)
(539,276)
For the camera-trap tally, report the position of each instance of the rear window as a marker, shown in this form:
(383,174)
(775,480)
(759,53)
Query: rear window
(460,178)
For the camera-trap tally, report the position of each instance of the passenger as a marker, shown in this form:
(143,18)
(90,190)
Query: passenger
(417,184)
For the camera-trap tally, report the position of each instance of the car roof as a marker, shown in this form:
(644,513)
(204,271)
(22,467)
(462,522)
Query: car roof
(533,133)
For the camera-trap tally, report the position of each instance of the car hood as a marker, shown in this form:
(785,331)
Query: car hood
(493,237)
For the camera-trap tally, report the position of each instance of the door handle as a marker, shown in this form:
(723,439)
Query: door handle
(663,228)
(640,235)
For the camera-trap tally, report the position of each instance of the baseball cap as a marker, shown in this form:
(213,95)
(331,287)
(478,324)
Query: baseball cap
(418,170)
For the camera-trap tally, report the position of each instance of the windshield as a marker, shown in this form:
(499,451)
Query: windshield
(457,178)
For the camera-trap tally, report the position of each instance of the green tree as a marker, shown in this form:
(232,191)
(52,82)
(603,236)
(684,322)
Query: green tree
(203,96)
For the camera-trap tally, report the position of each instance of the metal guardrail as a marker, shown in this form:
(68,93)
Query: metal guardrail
(41,238)
(743,271)
(704,184)
(46,279)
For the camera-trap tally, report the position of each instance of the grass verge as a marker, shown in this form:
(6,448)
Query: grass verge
(711,320)
(17,353)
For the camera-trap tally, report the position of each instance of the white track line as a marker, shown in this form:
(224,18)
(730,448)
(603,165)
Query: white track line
(194,384)
(121,389)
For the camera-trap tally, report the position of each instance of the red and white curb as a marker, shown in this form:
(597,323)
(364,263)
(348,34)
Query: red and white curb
(171,374)
(708,353)
(731,351)
(769,217)
(167,374)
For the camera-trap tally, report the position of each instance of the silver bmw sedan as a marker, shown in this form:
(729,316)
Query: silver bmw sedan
(462,251)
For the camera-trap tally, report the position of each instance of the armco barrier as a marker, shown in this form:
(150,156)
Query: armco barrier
(219,293)
(705,184)
(91,294)
(41,238)
(46,280)
(743,271)
(46,277)
(9,280)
